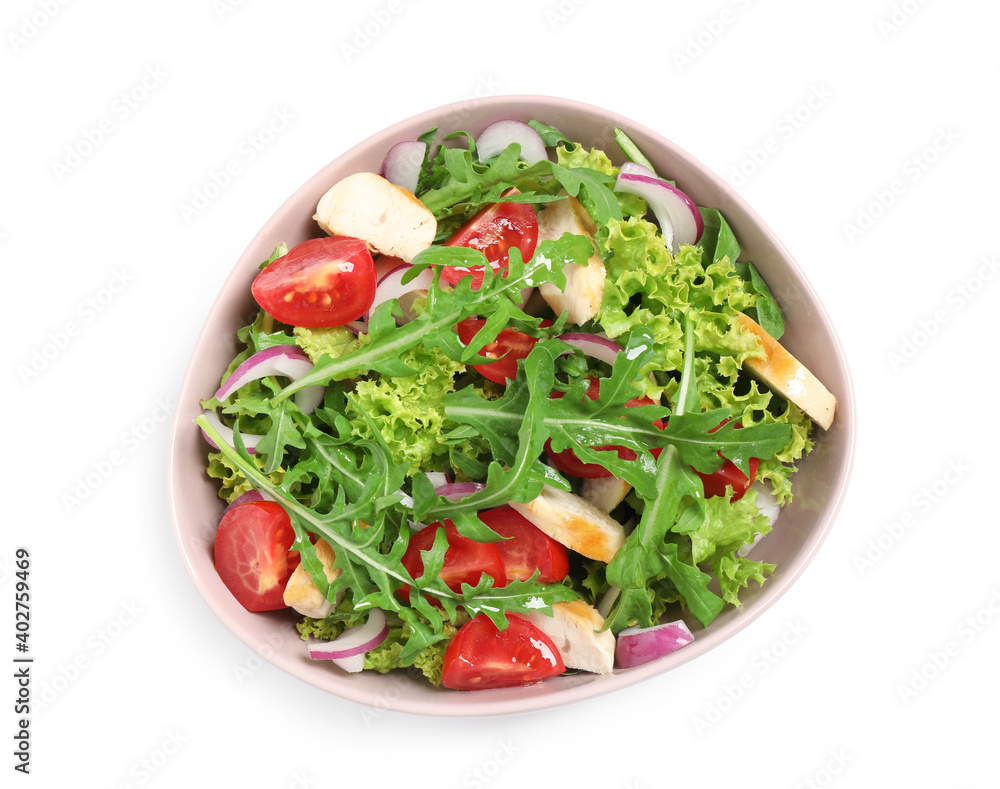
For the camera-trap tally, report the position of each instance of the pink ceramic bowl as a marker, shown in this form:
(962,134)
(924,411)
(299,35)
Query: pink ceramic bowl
(819,484)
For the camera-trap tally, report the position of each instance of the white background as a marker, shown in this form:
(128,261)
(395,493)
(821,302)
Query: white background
(865,134)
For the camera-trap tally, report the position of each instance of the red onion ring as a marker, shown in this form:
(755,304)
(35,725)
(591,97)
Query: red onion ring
(634,168)
(391,286)
(284,360)
(456,491)
(636,645)
(249,441)
(600,348)
(402,163)
(246,498)
(680,220)
(352,643)
(497,136)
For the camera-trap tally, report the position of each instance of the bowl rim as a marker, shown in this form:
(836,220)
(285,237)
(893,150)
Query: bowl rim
(550,694)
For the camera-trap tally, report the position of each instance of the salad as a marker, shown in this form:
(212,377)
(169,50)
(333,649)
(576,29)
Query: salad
(520,411)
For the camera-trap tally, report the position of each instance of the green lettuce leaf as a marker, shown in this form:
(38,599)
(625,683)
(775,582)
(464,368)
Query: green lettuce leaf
(409,411)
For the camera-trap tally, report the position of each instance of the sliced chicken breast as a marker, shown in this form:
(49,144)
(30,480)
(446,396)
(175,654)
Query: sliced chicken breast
(574,628)
(386,217)
(605,493)
(584,290)
(300,591)
(787,376)
(574,522)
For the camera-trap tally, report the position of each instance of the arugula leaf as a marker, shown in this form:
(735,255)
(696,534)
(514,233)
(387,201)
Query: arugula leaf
(699,437)
(445,308)
(464,182)
(576,422)
(551,136)
(648,554)
(357,529)
(284,432)
(592,185)
(515,474)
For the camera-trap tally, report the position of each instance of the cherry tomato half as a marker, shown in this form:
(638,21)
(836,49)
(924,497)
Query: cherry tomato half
(528,548)
(320,282)
(253,554)
(568,463)
(493,231)
(479,656)
(465,561)
(508,348)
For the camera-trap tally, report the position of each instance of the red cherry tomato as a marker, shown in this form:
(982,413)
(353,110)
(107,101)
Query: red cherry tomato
(509,347)
(493,231)
(479,656)
(730,474)
(253,554)
(528,549)
(465,561)
(321,282)
(568,463)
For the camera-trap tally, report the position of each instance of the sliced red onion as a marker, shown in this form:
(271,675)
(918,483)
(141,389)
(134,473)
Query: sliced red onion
(402,163)
(437,478)
(352,644)
(286,360)
(638,645)
(353,664)
(679,217)
(357,327)
(455,491)
(634,168)
(600,348)
(246,498)
(250,442)
(391,287)
(497,136)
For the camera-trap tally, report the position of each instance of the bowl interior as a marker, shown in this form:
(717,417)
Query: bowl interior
(819,484)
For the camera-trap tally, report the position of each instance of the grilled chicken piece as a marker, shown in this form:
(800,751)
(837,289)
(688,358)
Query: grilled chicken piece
(300,591)
(388,218)
(605,493)
(573,628)
(584,284)
(574,522)
(787,376)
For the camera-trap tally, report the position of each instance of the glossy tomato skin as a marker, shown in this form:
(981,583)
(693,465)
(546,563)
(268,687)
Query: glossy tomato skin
(568,463)
(730,474)
(319,283)
(493,231)
(253,554)
(480,657)
(508,348)
(527,548)
(465,561)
